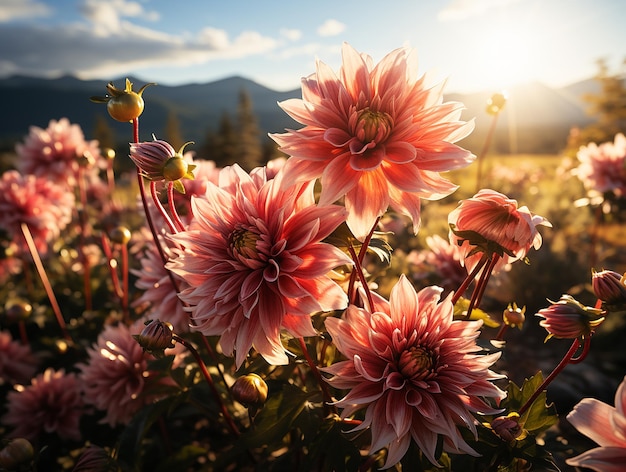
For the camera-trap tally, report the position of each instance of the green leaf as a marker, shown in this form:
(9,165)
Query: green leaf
(460,310)
(539,416)
(182,459)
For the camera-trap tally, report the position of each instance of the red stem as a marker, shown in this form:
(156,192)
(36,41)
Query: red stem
(480,287)
(112,263)
(359,270)
(83,235)
(159,205)
(45,281)
(326,394)
(209,380)
(566,360)
(170,201)
(468,280)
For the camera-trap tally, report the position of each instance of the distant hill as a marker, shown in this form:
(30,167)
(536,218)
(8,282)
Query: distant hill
(536,118)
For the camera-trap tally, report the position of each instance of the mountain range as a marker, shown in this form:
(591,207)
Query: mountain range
(536,118)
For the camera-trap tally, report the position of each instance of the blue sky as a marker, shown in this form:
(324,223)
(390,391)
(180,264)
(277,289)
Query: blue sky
(476,45)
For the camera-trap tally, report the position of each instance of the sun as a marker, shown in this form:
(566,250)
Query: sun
(506,56)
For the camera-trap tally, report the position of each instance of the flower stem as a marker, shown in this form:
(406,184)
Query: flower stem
(361,275)
(360,258)
(45,280)
(568,358)
(159,205)
(170,200)
(480,287)
(207,376)
(481,157)
(83,235)
(325,393)
(468,280)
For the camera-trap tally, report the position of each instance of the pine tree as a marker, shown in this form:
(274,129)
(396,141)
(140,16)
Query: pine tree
(608,106)
(173,134)
(249,149)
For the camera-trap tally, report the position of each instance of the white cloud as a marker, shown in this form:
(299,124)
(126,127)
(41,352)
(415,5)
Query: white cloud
(16,9)
(331,28)
(108,44)
(291,34)
(463,9)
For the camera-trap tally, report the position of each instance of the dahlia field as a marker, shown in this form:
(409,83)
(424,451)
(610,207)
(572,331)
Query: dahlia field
(379,298)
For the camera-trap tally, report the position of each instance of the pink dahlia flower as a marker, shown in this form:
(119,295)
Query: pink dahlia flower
(159,292)
(605,425)
(376,135)
(17,362)
(115,377)
(56,152)
(490,222)
(52,403)
(441,258)
(255,263)
(43,205)
(603,167)
(415,370)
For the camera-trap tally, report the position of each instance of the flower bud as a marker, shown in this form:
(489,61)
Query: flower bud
(496,103)
(250,390)
(514,316)
(156,337)
(15,454)
(18,310)
(609,286)
(120,235)
(508,427)
(175,168)
(570,319)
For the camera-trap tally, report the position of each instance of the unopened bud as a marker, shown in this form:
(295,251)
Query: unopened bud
(514,316)
(15,454)
(85,160)
(570,319)
(120,235)
(156,337)
(18,310)
(609,286)
(496,103)
(508,427)
(109,153)
(250,390)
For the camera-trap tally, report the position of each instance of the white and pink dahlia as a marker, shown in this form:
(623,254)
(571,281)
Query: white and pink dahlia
(115,376)
(51,404)
(17,362)
(606,426)
(417,372)
(376,135)
(57,152)
(256,264)
(159,293)
(492,222)
(43,205)
(603,167)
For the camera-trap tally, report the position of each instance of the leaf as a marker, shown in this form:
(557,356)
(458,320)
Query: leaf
(460,310)
(381,248)
(182,459)
(539,416)
(272,423)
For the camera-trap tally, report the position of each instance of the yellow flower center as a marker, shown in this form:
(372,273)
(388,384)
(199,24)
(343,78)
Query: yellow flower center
(416,362)
(243,242)
(373,126)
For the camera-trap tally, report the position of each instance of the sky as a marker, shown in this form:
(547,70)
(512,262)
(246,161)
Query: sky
(474,45)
